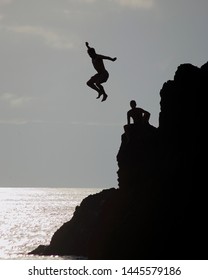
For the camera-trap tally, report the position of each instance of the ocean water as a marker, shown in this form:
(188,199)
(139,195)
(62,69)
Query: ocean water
(30,216)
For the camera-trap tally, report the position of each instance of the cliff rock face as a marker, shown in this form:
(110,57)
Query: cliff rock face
(160,209)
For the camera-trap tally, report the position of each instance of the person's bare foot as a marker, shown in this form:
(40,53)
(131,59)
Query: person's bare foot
(99,95)
(104,97)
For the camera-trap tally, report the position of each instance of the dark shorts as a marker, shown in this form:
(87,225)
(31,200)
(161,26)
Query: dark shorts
(100,78)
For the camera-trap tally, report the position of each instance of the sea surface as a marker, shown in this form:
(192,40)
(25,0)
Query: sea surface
(30,216)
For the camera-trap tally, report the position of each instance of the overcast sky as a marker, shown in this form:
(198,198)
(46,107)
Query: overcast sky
(53,130)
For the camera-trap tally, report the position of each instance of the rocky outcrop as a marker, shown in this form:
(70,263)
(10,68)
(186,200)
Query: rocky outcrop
(160,209)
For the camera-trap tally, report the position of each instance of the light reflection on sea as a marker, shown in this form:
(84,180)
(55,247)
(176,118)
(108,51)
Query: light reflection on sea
(30,216)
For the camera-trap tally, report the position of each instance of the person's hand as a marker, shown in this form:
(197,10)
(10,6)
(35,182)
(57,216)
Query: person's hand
(114,59)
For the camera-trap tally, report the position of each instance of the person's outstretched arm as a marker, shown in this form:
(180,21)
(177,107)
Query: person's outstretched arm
(87,45)
(146,116)
(128,117)
(108,57)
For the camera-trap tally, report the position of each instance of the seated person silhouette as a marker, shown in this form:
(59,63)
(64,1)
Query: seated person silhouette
(140,118)
(138,115)
(102,74)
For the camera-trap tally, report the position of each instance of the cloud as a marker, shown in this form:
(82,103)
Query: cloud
(3,2)
(86,1)
(84,123)
(25,121)
(21,121)
(89,1)
(14,100)
(49,37)
(141,4)
(14,122)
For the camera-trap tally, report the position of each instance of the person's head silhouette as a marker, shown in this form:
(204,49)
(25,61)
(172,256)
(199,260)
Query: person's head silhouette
(133,104)
(91,52)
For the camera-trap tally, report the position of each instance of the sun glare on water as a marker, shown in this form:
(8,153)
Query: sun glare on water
(30,216)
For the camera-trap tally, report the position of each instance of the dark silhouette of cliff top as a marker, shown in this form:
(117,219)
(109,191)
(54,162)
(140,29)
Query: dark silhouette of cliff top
(160,209)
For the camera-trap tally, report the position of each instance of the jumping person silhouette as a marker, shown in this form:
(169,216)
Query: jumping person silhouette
(102,74)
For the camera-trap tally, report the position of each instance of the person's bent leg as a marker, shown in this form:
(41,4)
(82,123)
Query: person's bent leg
(91,84)
(102,92)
